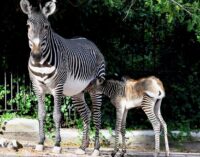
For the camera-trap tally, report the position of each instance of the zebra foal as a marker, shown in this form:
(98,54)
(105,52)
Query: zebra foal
(60,66)
(146,93)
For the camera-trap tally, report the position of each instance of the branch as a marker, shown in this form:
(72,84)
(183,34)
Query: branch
(181,6)
(80,3)
(132,3)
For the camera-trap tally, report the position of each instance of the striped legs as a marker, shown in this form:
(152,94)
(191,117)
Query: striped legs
(163,124)
(57,118)
(151,107)
(57,94)
(96,104)
(84,111)
(148,107)
(119,127)
(123,132)
(41,118)
(82,108)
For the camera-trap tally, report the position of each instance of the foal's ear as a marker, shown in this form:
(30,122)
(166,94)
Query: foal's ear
(49,8)
(25,6)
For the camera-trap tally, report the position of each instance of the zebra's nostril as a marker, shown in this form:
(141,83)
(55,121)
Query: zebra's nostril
(37,57)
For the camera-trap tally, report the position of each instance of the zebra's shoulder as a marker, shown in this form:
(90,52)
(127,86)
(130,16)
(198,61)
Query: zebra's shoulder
(78,38)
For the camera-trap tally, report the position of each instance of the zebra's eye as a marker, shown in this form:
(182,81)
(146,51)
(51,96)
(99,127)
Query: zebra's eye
(46,26)
(28,25)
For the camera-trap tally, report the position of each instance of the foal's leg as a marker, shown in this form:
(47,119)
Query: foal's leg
(163,123)
(119,113)
(81,106)
(148,104)
(123,132)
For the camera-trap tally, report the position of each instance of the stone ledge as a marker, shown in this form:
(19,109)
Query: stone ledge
(21,125)
(28,129)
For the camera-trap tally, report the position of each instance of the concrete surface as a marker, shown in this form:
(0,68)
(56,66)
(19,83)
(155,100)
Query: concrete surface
(139,143)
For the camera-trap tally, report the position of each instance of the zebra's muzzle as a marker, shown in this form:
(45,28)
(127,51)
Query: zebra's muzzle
(36,56)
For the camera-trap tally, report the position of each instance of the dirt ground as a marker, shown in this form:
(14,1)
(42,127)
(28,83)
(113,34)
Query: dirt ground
(70,147)
(105,152)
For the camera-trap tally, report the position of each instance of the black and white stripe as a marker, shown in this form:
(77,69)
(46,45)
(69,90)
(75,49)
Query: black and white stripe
(146,98)
(62,66)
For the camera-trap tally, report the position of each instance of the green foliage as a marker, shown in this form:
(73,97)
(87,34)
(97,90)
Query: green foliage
(186,101)
(7,116)
(137,38)
(3,91)
(26,101)
(184,132)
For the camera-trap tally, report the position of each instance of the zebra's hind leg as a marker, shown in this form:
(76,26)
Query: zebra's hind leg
(163,123)
(81,106)
(96,104)
(148,104)
(41,117)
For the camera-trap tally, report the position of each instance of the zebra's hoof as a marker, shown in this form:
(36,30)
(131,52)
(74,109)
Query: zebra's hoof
(96,153)
(156,154)
(56,150)
(124,155)
(39,147)
(80,152)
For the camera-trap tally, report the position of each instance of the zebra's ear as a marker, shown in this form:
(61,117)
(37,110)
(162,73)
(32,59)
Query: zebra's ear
(25,6)
(49,8)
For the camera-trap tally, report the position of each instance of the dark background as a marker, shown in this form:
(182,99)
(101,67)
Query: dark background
(142,44)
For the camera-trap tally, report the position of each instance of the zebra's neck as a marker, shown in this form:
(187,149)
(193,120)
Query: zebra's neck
(112,88)
(50,50)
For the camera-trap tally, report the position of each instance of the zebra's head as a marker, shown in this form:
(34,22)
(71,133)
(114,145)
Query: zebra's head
(38,26)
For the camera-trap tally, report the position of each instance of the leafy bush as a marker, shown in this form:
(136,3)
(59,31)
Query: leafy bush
(137,38)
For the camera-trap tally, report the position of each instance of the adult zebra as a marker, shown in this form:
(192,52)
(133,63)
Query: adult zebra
(60,67)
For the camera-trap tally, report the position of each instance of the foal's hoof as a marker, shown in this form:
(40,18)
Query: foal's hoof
(116,154)
(113,154)
(167,154)
(95,153)
(123,153)
(80,152)
(39,147)
(56,150)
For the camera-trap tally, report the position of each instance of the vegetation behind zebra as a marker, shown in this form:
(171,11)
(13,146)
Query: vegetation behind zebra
(145,38)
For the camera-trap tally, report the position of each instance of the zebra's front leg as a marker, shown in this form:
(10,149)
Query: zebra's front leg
(41,118)
(81,106)
(57,120)
(96,103)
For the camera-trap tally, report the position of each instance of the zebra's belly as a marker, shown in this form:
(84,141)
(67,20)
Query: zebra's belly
(72,87)
(132,103)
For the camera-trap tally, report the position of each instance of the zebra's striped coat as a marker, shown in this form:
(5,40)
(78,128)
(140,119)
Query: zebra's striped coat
(60,67)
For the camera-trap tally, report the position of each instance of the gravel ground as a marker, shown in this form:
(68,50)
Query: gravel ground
(139,148)
(186,149)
